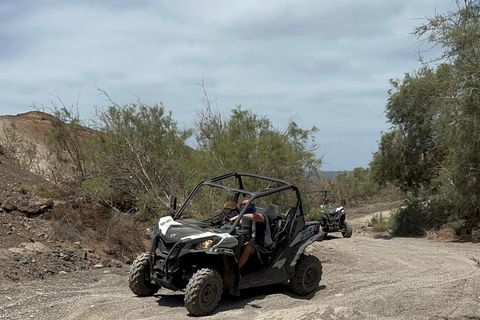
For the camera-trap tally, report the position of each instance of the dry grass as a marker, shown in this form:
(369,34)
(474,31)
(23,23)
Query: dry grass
(476,260)
(117,233)
(446,234)
(49,191)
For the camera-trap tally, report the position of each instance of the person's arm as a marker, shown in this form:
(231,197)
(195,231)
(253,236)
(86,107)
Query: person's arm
(254,216)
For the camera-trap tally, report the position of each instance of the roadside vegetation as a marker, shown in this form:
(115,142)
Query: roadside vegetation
(432,150)
(121,167)
(129,159)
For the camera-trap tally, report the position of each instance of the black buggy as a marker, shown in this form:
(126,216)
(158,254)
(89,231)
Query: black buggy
(195,251)
(333,213)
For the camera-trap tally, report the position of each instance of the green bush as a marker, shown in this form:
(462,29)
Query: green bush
(96,188)
(419,215)
(316,214)
(150,208)
(476,235)
(381,224)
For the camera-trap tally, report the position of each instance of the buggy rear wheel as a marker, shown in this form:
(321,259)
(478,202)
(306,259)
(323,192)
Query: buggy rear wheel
(139,280)
(308,273)
(348,230)
(203,292)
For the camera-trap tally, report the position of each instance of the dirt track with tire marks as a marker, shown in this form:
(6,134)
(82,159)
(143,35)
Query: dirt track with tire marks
(364,277)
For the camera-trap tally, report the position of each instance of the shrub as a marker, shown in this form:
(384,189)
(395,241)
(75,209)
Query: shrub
(380,224)
(120,233)
(410,220)
(49,191)
(476,260)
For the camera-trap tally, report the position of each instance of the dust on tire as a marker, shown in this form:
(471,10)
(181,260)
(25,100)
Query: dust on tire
(139,280)
(308,274)
(203,292)
(348,229)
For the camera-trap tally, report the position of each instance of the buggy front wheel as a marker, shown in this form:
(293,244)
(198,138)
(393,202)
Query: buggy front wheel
(139,280)
(308,273)
(203,292)
(348,230)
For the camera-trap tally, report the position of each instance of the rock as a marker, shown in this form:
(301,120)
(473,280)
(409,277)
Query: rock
(98,266)
(62,273)
(115,264)
(48,204)
(82,255)
(342,312)
(28,247)
(107,263)
(8,206)
(34,210)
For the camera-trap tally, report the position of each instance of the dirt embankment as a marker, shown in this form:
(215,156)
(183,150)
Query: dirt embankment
(365,277)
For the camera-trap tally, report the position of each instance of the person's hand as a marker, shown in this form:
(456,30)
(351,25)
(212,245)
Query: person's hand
(232,219)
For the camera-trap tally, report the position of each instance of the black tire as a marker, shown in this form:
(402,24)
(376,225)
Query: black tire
(139,280)
(308,273)
(203,292)
(348,230)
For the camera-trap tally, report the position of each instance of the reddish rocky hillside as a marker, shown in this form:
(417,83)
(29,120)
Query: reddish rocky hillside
(30,127)
(27,249)
(32,244)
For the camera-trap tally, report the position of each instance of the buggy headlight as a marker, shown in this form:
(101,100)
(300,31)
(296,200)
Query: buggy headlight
(204,244)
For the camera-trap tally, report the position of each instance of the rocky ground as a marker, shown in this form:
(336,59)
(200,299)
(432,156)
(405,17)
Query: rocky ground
(369,276)
(28,247)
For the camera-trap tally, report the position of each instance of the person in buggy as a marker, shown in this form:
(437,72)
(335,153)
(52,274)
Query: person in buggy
(261,239)
(230,210)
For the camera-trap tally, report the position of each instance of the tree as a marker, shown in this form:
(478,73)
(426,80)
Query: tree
(67,142)
(141,152)
(459,180)
(409,155)
(245,141)
(355,187)
(436,121)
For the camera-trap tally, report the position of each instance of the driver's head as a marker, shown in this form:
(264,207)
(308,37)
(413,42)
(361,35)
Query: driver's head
(251,208)
(230,206)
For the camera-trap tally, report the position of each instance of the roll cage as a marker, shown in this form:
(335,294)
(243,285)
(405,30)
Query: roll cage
(282,185)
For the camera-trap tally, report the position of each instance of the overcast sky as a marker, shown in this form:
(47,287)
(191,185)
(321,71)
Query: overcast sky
(325,63)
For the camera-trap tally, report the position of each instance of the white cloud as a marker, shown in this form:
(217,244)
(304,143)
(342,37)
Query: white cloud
(328,63)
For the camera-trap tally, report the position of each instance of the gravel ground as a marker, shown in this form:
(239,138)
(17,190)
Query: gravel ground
(365,277)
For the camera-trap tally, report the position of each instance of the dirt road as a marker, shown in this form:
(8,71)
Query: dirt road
(365,277)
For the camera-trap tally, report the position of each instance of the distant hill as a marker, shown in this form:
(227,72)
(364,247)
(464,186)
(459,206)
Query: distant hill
(23,138)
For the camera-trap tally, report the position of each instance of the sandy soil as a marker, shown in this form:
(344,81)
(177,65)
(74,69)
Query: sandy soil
(368,276)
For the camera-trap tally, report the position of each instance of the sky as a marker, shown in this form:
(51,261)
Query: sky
(321,63)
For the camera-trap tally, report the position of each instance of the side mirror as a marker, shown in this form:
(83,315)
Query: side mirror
(173,205)
(344,203)
(246,228)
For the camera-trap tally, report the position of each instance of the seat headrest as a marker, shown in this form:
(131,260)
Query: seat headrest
(272,212)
